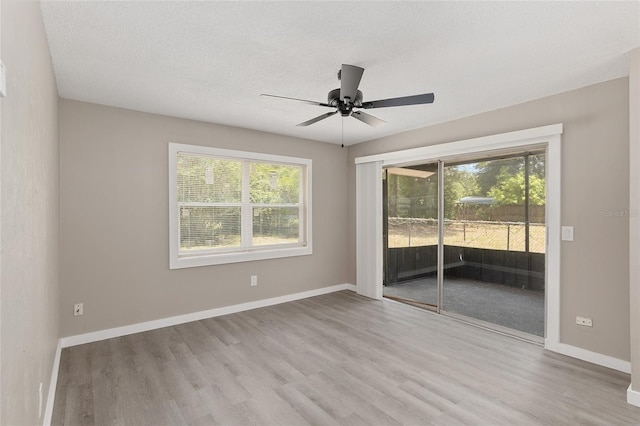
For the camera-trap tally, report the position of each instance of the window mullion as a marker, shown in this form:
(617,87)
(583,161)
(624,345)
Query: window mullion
(246,232)
(302,226)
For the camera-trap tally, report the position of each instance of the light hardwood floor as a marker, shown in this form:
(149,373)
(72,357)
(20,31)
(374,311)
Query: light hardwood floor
(333,359)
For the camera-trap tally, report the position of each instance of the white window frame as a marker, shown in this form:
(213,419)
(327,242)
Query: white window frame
(244,254)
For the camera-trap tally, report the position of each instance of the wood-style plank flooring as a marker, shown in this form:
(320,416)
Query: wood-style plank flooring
(333,359)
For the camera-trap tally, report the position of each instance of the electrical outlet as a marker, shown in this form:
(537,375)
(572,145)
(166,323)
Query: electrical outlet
(587,322)
(254,280)
(78,309)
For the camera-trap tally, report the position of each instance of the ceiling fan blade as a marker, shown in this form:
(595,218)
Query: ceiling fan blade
(368,119)
(426,98)
(318,118)
(299,100)
(350,77)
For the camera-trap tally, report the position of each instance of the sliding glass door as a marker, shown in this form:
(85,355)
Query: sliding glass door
(410,220)
(494,239)
(482,224)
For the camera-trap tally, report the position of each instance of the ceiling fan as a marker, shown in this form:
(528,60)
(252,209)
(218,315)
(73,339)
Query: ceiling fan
(347,100)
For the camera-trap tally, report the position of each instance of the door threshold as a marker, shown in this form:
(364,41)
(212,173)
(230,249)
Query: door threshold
(506,331)
(520,335)
(412,302)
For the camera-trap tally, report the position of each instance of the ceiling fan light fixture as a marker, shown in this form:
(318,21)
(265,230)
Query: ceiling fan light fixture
(333,98)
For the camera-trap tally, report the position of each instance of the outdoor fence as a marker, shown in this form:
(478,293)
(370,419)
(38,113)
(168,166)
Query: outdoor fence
(415,232)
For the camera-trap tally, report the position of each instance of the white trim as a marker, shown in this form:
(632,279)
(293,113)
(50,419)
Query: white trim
(369,229)
(246,253)
(589,356)
(109,333)
(250,255)
(468,146)
(53,384)
(246,212)
(553,260)
(633,397)
(235,154)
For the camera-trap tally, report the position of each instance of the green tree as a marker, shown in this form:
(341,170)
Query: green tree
(489,172)
(459,183)
(511,189)
(275,184)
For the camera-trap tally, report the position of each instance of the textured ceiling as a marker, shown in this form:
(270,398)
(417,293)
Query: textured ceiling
(210,61)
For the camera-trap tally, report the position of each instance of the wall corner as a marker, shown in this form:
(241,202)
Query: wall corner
(633,394)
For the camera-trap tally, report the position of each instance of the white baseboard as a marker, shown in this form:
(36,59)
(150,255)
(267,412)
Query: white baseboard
(633,397)
(589,356)
(81,339)
(53,384)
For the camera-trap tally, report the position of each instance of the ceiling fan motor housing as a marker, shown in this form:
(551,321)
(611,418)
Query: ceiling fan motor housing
(345,107)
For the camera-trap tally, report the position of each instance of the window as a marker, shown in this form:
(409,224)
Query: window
(231,206)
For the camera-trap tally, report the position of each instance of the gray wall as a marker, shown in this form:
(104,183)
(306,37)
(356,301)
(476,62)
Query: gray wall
(595,179)
(115,219)
(29,214)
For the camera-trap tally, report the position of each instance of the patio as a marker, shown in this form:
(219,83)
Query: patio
(500,304)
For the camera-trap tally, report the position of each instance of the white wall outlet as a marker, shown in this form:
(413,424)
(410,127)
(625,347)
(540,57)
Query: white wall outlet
(40,401)
(78,309)
(567,233)
(254,280)
(587,322)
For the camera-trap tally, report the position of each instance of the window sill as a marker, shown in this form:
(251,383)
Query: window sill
(177,262)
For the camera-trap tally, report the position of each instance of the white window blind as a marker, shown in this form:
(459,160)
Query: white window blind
(231,202)
(209,202)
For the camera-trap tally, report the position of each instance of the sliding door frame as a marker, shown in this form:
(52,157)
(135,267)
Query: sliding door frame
(547,137)
(440,274)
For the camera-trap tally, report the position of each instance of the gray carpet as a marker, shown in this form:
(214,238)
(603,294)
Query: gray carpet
(521,310)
